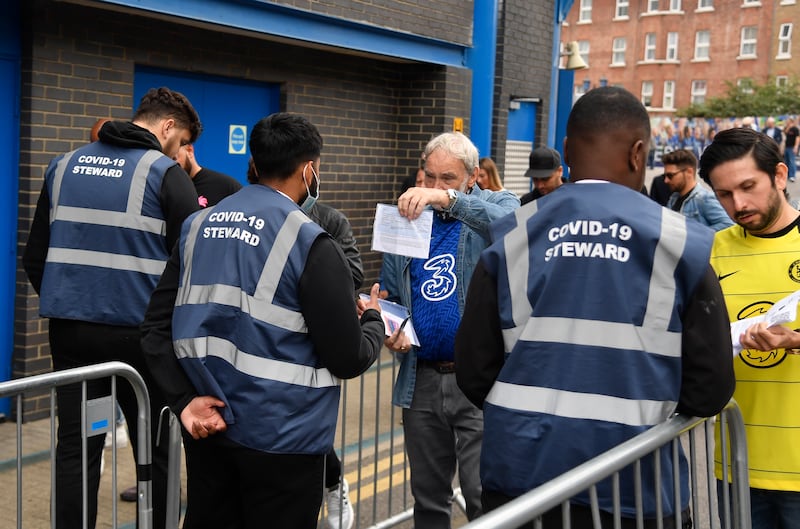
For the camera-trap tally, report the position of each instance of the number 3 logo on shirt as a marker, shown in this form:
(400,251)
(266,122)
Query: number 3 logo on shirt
(443,283)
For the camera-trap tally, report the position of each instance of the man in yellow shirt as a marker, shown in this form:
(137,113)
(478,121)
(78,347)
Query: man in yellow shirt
(757,261)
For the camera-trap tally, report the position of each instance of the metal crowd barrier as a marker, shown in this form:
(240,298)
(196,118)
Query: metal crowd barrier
(370,445)
(705,511)
(98,417)
(371,448)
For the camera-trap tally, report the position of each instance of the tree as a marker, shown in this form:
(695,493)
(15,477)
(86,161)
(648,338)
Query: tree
(750,99)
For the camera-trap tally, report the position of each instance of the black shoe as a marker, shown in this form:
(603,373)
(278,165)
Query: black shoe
(129,494)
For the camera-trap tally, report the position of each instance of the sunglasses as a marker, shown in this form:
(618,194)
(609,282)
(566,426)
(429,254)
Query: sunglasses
(672,175)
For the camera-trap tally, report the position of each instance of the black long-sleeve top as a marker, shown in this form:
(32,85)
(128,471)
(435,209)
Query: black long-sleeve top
(707,378)
(346,346)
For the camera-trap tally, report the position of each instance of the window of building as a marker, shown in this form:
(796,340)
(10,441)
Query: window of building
(669,95)
(647,93)
(652,6)
(702,44)
(745,84)
(788,2)
(747,46)
(674,5)
(672,46)
(785,41)
(705,5)
(698,92)
(618,46)
(751,2)
(781,80)
(621,10)
(650,47)
(580,89)
(585,13)
(583,49)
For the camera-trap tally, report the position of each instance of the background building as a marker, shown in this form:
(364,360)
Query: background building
(378,77)
(676,52)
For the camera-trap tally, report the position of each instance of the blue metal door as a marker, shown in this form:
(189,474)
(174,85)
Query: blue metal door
(9,153)
(228,109)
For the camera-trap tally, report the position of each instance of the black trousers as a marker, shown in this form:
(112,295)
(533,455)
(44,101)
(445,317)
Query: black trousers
(233,487)
(333,469)
(77,344)
(581,516)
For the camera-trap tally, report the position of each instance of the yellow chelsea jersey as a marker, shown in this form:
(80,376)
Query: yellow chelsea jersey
(754,273)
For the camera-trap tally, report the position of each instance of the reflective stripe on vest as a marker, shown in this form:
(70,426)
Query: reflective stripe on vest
(259,305)
(653,334)
(265,368)
(131,218)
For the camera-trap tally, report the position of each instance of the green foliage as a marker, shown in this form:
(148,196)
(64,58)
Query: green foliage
(750,99)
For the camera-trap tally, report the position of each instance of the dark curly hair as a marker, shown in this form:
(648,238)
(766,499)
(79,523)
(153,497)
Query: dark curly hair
(161,103)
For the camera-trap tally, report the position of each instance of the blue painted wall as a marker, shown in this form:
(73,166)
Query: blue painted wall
(9,189)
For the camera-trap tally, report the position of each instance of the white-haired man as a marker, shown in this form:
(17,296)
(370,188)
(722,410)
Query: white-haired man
(441,426)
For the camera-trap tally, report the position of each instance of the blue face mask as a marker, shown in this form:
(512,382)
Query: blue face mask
(309,202)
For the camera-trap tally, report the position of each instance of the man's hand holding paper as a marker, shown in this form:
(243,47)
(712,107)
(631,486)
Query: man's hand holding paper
(766,332)
(394,233)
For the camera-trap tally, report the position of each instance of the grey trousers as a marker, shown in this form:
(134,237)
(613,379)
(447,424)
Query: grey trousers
(443,431)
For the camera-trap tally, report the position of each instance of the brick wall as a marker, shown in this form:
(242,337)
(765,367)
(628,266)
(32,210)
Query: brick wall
(78,65)
(448,20)
(724,22)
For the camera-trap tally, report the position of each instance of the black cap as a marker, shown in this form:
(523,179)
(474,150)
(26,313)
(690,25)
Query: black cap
(543,162)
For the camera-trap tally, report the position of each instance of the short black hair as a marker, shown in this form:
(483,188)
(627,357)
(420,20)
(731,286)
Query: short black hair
(604,108)
(681,157)
(736,143)
(282,141)
(163,103)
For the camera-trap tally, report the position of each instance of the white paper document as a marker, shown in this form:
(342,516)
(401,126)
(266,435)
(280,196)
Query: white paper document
(392,233)
(784,311)
(393,315)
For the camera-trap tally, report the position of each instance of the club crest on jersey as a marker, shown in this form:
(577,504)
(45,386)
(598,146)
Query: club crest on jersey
(794,271)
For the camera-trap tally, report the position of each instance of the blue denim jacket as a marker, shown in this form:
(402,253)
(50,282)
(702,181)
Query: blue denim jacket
(702,205)
(475,210)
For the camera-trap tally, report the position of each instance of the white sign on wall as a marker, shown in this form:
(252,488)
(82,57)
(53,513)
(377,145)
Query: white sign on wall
(237,139)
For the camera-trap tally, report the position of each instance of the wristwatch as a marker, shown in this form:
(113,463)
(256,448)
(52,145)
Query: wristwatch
(453,196)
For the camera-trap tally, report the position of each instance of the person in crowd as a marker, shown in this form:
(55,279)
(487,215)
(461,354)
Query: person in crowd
(757,264)
(442,428)
(335,223)
(94,132)
(106,219)
(545,171)
(415,179)
(689,197)
(592,317)
(791,144)
(659,190)
(488,176)
(120,434)
(773,131)
(211,186)
(248,332)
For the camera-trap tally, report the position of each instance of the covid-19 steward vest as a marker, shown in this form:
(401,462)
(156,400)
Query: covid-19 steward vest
(591,282)
(237,327)
(107,234)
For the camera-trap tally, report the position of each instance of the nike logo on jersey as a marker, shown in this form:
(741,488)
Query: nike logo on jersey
(726,275)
